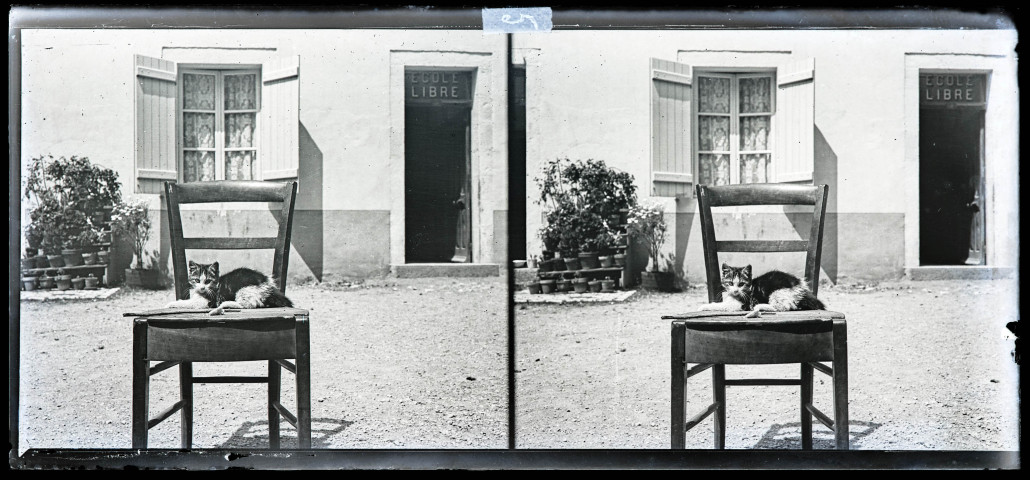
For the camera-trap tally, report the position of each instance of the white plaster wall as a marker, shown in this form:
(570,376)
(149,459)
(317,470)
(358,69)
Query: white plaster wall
(588,96)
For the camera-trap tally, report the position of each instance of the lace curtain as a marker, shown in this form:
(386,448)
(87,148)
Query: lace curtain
(753,119)
(200,126)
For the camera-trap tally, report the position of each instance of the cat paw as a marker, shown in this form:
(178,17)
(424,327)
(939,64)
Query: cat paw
(220,310)
(754,314)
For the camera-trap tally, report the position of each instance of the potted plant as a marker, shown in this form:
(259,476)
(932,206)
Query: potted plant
(28,283)
(91,282)
(579,284)
(594,285)
(607,285)
(534,287)
(564,285)
(132,219)
(79,283)
(46,282)
(63,280)
(579,197)
(547,285)
(64,195)
(647,223)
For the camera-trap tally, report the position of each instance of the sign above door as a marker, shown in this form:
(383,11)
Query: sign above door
(437,87)
(952,90)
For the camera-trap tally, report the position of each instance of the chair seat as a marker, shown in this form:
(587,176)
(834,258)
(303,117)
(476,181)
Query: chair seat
(237,335)
(772,338)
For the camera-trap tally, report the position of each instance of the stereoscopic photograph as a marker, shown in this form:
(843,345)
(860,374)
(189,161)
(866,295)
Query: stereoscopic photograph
(419,233)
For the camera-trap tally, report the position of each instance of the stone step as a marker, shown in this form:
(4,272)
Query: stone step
(958,272)
(423,270)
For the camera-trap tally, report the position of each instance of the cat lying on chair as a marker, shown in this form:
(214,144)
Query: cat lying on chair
(240,288)
(774,291)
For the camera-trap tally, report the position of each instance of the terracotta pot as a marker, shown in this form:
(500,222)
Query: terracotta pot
(619,260)
(607,285)
(28,283)
(564,285)
(572,263)
(595,285)
(91,282)
(103,257)
(534,288)
(546,286)
(64,282)
(546,266)
(581,287)
(89,258)
(79,283)
(606,261)
(661,281)
(46,283)
(149,279)
(72,257)
(56,261)
(589,260)
(28,263)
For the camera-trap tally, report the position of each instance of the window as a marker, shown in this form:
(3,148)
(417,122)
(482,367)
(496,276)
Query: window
(720,126)
(218,117)
(226,122)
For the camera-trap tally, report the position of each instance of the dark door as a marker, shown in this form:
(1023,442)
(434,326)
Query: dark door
(517,166)
(951,221)
(436,178)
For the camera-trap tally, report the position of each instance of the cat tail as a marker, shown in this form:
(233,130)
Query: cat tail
(276,297)
(809,302)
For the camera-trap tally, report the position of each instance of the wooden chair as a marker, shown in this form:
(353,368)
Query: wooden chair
(180,337)
(715,339)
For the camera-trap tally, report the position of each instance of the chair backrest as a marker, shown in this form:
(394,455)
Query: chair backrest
(760,194)
(229,192)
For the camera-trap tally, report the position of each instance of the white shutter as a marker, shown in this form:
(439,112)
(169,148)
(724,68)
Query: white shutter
(279,138)
(794,123)
(671,133)
(155,123)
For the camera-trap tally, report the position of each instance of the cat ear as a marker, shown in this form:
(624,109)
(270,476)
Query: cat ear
(725,267)
(747,271)
(214,267)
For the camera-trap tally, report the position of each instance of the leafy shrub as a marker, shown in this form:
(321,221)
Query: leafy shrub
(132,219)
(581,197)
(647,223)
(67,193)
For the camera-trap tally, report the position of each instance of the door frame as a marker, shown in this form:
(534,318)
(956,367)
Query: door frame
(1000,150)
(482,151)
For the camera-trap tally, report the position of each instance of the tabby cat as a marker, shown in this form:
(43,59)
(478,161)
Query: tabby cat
(773,291)
(240,288)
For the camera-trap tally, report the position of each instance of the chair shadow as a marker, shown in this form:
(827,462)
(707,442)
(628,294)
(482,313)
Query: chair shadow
(254,435)
(788,435)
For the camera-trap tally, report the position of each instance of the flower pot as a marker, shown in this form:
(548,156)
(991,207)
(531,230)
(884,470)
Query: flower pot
(46,283)
(606,261)
(661,281)
(572,263)
(103,257)
(619,260)
(547,254)
(148,278)
(534,288)
(89,258)
(595,285)
(79,283)
(607,285)
(56,261)
(72,257)
(564,285)
(28,283)
(546,286)
(28,263)
(581,287)
(546,266)
(91,282)
(31,252)
(64,282)
(589,260)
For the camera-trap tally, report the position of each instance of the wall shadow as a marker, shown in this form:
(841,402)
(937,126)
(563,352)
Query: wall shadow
(254,435)
(788,435)
(824,172)
(308,231)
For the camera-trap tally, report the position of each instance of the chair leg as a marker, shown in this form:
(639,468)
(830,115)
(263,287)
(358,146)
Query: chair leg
(303,383)
(140,385)
(840,385)
(274,384)
(679,388)
(719,394)
(186,394)
(806,400)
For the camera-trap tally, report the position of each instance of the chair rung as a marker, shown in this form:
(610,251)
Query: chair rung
(762,381)
(165,414)
(823,419)
(822,368)
(230,379)
(699,417)
(285,413)
(287,365)
(162,367)
(698,369)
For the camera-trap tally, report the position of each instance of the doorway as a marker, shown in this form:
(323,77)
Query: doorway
(951,186)
(437,174)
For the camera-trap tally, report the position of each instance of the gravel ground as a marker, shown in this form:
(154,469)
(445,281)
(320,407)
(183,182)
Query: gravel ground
(421,363)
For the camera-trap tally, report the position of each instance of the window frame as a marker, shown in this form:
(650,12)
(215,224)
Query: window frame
(734,74)
(219,150)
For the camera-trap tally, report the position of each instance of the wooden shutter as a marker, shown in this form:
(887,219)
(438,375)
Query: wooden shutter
(279,139)
(671,133)
(794,123)
(156,90)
